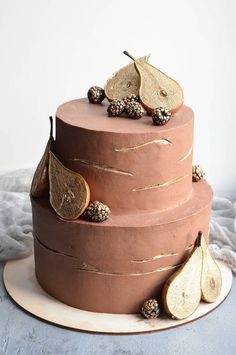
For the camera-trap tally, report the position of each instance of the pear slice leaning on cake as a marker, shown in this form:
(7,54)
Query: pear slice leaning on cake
(69,192)
(40,182)
(123,83)
(181,293)
(156,88)
(211,281)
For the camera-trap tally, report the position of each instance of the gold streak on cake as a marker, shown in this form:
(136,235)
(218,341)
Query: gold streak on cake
(159,256)
(162,141)
(99,272)
(160,186)
(54,250)
(187,154)
(103,167)
(156,257)
(189,247)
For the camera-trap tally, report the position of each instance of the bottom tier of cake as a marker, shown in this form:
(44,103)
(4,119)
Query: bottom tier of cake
(114,266)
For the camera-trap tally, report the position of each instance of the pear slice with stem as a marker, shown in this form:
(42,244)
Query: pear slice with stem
(181,293)
(211,280)
(69,192)
(123,83)
(156,88)
(40,182)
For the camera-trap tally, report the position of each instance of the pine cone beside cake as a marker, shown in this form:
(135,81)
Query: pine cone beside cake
(198,173)
(150,309)
(96,95)
(98,212)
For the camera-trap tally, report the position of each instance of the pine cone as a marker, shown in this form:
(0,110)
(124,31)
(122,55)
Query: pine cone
(161,116)
(116,108)
(134,110)
(129,99)
(98,212)
(150,309)
(197,172)
(96,95)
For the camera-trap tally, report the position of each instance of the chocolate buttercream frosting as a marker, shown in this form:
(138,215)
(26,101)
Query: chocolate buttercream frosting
(130,165)
(144,174)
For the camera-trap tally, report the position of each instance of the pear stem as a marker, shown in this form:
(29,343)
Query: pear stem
(129,55)
(198,240)
(51,126)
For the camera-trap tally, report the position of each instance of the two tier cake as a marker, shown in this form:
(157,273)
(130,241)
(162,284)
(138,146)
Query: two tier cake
(143,172)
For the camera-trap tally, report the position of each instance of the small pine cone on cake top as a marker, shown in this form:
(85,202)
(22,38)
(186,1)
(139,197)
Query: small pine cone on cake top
(150,309)
(131,98)
(160,116)
(96,95)
(116,108)
(134,110)
(98,211)
(197,173)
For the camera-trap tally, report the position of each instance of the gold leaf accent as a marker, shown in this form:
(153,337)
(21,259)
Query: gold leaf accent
(92,269)
(160,186)
(162,141)
(103,167)
(99,272)
(156,257)
(189,152)
(54,250)
(159,256)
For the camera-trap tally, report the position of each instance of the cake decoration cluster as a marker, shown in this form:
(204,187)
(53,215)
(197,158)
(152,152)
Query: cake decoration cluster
(138,87)
(68,191)
(129,107)
(199,278)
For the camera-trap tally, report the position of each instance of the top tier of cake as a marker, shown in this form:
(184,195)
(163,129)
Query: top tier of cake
(129,164)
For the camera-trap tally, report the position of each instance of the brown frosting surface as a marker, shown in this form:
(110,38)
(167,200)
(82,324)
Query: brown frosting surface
(113,267)
(130,165)
(144,174)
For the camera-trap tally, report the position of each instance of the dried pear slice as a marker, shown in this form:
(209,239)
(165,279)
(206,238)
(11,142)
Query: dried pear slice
(40,182)
(181,293)
(69,192)
(156,88)
(123,83)
(211,280)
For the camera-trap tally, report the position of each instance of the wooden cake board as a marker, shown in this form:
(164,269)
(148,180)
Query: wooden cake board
(22,286)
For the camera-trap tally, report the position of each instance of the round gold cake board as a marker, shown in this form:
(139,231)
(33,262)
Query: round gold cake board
(22,286)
